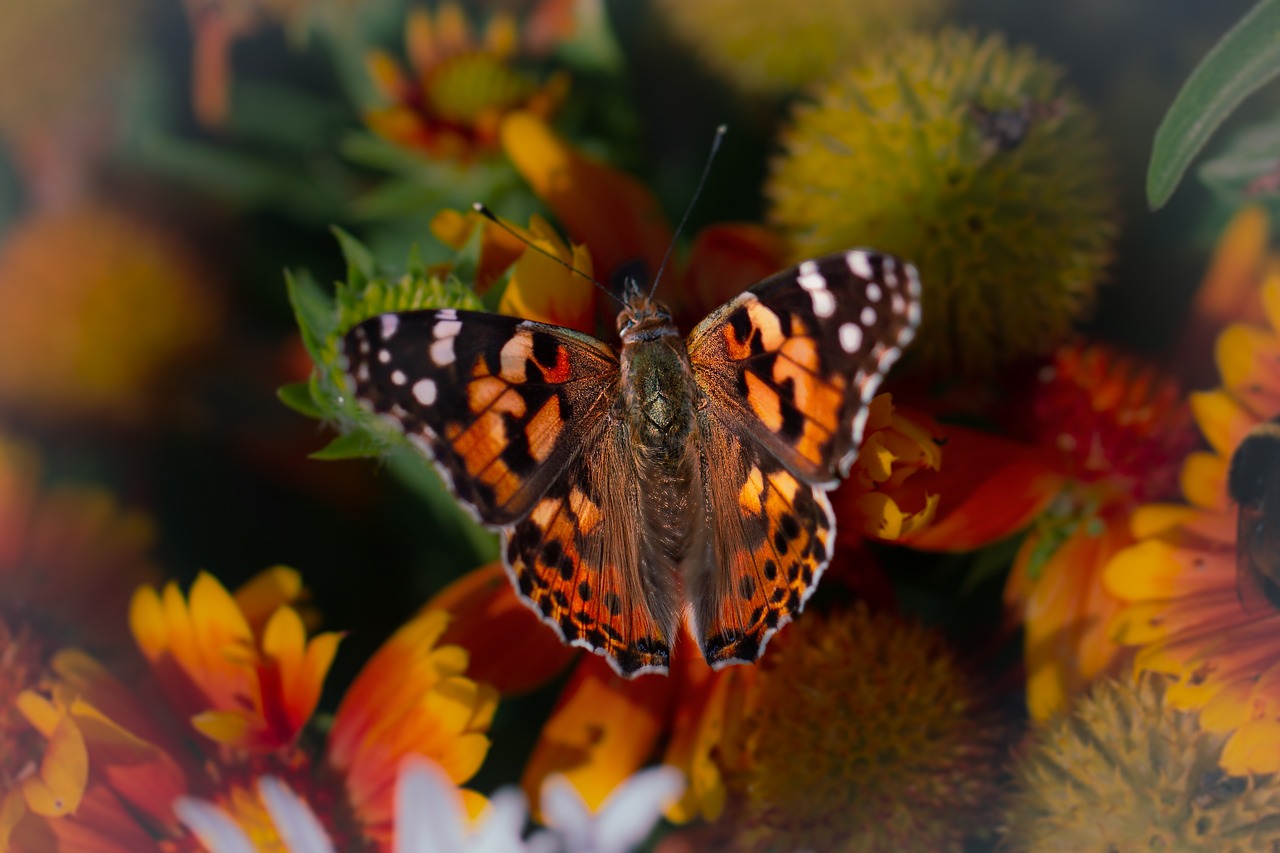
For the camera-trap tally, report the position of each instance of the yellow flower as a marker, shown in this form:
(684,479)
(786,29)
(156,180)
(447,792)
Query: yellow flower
(453,103)
(761,49)
(241,680)
(1179,581)
(95,306)
(859,733)
(1125,770)
(908,151)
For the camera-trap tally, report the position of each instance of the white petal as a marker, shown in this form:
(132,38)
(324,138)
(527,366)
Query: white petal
(564,810)
(629,815)
(430,813)
(501,823)
(294,821)
(217,832)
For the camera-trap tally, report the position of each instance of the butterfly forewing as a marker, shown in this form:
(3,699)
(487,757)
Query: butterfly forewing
(798,357)
(790,367)
(495,400)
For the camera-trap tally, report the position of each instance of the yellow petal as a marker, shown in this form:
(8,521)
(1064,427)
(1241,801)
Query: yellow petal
(1221,419)
(1143,572)
(1204,480)
(1154,519)
(268,590)
(64,772)
(146,620)
(1253,749)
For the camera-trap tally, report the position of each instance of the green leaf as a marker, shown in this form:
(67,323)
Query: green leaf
(313,310)
(353,445)
(1243,60)
(361,267)
(297,396)
(413,469)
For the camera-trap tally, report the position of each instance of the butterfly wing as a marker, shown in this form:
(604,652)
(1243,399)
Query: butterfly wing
(516,416)
(790,367)
(498,403)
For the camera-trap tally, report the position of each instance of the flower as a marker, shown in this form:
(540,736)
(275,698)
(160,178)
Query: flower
(860,733)
(241,680)
(1126,770)
(130,304)
(1179,580)
(904,152)
(431,817)
(454,102)
(760,52)
(68,558)
(619,223)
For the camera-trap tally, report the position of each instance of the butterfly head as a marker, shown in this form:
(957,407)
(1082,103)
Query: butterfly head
(642,318)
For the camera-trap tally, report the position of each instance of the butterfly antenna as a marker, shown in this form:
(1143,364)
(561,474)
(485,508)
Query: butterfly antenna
(706,170)
(488,214)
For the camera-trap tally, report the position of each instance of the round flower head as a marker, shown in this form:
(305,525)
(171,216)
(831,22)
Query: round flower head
(1127,771)
(970,159)
(860,733)
(93,306)
(762,50)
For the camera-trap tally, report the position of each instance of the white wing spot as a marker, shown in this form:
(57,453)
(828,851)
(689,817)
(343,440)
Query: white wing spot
(810,279)
(390,323)
(868,316)
(850,337)
(906,336)
(888,358)
(447,314)
(870,387)
(424,391)
(362,373)
(899,304)
(859,424)
(859,265)
(446,329)
(913,313)
(913,282)
(824,304)
(442,352)
(398,377)
(890,273)
(384,356)
(873,292)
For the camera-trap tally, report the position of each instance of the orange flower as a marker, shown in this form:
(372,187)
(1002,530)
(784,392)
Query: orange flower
(452,105)
(1106,433)
(68,558)
(1179,581)
(613,222)
(241,679)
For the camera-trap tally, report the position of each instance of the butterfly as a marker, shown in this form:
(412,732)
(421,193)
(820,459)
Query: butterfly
(665,482)
(1253,481)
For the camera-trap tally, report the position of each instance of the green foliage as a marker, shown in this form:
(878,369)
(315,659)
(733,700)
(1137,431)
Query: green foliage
(1246,58)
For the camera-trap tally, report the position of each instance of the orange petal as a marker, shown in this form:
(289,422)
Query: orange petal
(510,647)
(603,730)
(499,248)
(725,260)
(989,487)
(608,211)
(1247,358)
(542,289)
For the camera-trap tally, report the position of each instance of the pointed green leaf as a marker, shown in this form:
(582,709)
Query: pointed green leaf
(361,267)
(1243,60)
(353,445)
(313,310)
(297,396)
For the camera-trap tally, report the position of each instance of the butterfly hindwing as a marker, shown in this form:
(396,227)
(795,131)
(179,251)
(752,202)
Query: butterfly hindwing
(760,548)
(498,402)
(584,561)
(796,359)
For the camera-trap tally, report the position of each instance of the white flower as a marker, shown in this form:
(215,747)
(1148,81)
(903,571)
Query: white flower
(624,820)
(294,821)
(431,817)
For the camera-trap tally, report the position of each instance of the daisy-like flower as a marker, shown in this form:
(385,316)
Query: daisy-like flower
(451,104)
(69,556)
(130,302)
(1179,581)
(859,733)
(241,679)
(1106,432)
(431,817)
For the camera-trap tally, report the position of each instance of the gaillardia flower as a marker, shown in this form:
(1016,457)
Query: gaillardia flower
(761,51)
(130,304)
(451,104)
(69,557)
(1125,770)
(1185,611)
(970,159)
(242,680)
(860,732)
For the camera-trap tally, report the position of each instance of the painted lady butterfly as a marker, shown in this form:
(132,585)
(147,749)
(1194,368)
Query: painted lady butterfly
(670,480)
